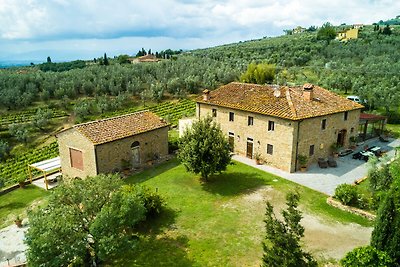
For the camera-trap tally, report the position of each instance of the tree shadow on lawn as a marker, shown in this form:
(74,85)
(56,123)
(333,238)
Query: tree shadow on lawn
(157,251)
(234,183)
(158,223)
(152,172)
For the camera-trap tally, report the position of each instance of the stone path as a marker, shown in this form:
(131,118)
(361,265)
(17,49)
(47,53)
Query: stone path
(326,180)
(12,247)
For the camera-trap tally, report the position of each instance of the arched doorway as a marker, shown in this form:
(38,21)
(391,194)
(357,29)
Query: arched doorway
(135,147)
(341,137)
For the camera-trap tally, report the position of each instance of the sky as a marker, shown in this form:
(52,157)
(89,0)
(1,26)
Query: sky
(84,29)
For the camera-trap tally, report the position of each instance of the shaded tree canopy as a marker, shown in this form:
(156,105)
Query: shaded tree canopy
(87,221)
(204,148)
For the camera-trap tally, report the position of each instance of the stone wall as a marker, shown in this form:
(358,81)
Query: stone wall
(111,155)
(288,138)
(73,139)
(311,133)
(281,138)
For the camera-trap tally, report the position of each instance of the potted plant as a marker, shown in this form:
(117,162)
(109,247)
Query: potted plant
(302,160)
(21,182)
(353,142)
(18,222)
(335,149)
(257,157)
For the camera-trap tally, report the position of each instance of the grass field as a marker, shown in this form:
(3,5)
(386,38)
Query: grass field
(15,203)
(218,223)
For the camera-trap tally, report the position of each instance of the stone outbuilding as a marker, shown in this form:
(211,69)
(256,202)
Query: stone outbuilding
(279,123)
(112,144)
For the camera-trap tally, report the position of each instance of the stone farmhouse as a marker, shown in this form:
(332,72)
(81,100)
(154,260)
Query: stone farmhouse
(278,123)
(109,145)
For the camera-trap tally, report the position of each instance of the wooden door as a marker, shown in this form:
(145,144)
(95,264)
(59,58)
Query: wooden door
(231,143)
(249,152)
(135,156)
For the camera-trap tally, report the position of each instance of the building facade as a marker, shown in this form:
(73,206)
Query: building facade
(278,124)
(110,145)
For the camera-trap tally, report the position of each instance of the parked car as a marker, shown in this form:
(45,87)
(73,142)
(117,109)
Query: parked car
(354,98)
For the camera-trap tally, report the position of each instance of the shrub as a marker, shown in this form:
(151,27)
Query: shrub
(152,201)
(367,257)
(347,194)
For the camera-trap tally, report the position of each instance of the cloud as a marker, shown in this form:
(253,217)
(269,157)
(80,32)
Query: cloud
(47,21)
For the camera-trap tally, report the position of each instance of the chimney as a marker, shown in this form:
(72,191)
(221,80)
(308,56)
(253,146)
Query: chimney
(206,95)
(308,92)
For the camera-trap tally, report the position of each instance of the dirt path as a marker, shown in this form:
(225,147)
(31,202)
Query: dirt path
(326,240)
(333,240)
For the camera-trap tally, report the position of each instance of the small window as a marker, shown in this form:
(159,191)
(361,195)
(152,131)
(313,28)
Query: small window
(214,112)
(270,149)
(352,130)
(311,152)
(323,124)
(250,121)
(231,116)
(76,158)
(346,115)
(271,125)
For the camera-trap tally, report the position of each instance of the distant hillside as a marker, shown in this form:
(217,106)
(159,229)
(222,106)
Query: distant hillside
(368,66)
(395,21)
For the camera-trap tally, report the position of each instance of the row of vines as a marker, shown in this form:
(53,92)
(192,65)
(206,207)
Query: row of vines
(15,169)
(170,111)
(25,117)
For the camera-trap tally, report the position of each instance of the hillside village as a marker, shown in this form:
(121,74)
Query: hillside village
(116,154)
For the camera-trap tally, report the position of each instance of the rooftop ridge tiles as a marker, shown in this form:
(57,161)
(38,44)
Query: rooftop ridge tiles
(111,118)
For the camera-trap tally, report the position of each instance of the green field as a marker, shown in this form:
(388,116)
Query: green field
(219,223)
(15,203)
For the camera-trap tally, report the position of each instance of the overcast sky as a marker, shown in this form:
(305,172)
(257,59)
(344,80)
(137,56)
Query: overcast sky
(83,29)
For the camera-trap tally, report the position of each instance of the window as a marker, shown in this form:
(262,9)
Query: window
(270,149)
(352,130)
(214,112)
(76,158)
(323,124)
(346,114)
(250,121)
(231,116)
(311,152)
(271,125)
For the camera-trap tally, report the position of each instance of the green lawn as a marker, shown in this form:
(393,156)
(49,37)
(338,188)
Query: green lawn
(219,223)
(394,129)
(16,202)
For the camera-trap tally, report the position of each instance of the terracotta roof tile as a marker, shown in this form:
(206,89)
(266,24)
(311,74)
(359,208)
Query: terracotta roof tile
(111,129)
(283,102)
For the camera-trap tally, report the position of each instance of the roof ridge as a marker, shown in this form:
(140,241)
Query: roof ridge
(111,118)
(290,102)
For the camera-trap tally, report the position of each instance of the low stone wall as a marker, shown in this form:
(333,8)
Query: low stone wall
(337,204)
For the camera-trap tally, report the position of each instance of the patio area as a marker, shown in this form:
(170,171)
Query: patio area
(50,170)
(326,180)
(52,181)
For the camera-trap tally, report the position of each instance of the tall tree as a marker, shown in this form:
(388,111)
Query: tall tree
(282,241)
(48,60)
(204,149)
(386,234)
(259,73)
(326,32)
(105,61)
(85,222)
(42,118)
